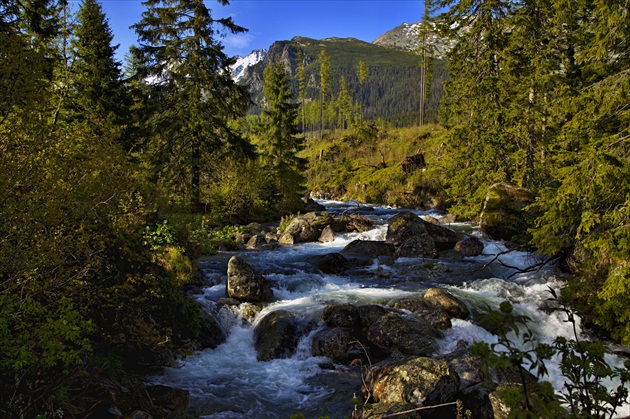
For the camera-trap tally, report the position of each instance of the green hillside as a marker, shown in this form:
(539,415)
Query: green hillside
(391,92)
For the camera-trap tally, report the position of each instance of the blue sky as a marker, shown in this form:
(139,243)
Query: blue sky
(273,20)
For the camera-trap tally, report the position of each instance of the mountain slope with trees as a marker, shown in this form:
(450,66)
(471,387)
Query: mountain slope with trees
(385,95)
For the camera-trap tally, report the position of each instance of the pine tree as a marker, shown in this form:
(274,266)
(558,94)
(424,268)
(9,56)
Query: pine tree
(280,141)
(98,93)
(192,95)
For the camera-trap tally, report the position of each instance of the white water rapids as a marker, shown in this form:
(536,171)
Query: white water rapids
(228,382)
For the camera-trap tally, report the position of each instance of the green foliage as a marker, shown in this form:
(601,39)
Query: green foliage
(192,97)
(582,364)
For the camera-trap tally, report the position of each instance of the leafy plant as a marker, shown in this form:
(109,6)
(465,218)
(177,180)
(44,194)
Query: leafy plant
(582,364)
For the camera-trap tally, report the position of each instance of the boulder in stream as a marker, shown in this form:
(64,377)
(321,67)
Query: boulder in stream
(368,250)
(420,381)
(276,336)
(406,334)
(245,284)
(503,217)
(469,246)
(451,304)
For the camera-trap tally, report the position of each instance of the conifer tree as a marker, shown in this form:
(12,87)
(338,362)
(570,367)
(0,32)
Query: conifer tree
(301,73)
(192,95)
(362,76)
(344,103)
(280,141)
(98,93)
(324,85)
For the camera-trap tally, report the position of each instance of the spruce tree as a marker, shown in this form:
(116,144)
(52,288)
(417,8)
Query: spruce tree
(280,141)
(192,95)
(98,93)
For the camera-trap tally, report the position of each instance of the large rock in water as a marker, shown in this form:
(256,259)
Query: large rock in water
(409,335)
(276,336)
(503,217)
(367,250)
(245,284)
(452,305)
(420,381)
(414,237)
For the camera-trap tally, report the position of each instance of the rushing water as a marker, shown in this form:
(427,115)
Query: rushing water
(228,382)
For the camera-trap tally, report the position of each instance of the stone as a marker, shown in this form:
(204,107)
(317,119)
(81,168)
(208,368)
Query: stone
(332,343)
(422,246)
(330,263)
(276,336)
(368,250)
(403,226)
(327,236)
(452,305)
(409,335)
(211,334)
(341,315)
(469,246)
(420,381)
(245,284)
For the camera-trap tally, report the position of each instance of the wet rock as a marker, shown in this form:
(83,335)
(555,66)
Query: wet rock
(341,315)
(503,217)
(369,313)
(332,343)
(403,226)
(470,246)
(256,242)
(420,381)
(409,335)
(211,334)
(422,246)
(327,236)
(432,313)
(368,250)
(476,398)
(331,263)
(467,366)
(453,306)
(245,284)
(444,237)
(305,228)
(311,205)
(276,336)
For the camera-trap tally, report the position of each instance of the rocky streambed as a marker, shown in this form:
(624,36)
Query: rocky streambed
(356,305)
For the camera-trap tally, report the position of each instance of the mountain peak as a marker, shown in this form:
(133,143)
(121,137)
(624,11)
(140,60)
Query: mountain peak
(243,63)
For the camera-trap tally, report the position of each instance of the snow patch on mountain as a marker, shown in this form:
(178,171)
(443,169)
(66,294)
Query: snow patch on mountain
(243,63)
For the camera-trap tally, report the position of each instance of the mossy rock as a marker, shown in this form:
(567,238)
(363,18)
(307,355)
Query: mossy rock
(503,217)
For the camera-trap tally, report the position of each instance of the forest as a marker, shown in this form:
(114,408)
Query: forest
(115,179)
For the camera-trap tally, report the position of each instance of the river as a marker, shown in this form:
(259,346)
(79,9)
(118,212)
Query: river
(228,382)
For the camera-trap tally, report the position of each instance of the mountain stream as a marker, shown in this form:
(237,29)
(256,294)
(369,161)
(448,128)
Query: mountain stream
(228,382)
